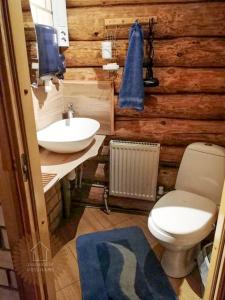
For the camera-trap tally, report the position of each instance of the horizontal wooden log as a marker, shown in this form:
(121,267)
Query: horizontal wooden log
(96,171)
(167,177)
(94,196)
(172,80)
(172,131)
(171,155)
(190,52)
(182,52)
(131,203)
(28,26)
(25,5)
(178,20)
(206,19)
(85,3)
(193,106)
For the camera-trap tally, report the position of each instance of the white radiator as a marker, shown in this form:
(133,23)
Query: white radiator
(134,169)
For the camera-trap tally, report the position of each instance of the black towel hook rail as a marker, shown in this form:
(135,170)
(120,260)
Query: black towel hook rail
(150,38)
(150,80)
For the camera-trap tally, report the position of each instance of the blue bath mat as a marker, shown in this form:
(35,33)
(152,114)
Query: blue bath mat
(120,265)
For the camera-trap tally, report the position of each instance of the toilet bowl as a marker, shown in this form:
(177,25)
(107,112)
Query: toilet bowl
(182,218)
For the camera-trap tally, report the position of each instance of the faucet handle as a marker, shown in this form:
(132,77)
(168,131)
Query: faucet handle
(70,106)
(70,111)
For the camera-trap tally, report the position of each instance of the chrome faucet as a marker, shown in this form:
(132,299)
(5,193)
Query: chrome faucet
(70,113)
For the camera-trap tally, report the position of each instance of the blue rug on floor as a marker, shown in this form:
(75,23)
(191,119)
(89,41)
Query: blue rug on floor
(120,265)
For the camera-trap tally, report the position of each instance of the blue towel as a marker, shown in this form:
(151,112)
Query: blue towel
(61,67)
(132,90)
(50,61)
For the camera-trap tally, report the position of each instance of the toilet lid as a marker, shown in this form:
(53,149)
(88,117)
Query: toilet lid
(183,213)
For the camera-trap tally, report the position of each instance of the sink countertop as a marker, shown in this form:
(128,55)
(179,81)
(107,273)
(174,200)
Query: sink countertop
(60,165)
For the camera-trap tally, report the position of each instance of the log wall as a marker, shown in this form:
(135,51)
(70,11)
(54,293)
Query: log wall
(189,104)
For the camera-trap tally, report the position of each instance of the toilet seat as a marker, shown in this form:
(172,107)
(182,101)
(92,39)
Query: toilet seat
(182,217)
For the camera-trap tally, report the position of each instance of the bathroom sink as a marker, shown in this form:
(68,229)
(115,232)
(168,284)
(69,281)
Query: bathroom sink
(68,135)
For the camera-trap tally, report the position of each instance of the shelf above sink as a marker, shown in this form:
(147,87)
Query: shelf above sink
(62,164)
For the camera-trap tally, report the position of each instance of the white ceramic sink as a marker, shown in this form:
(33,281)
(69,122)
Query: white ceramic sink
(69,135)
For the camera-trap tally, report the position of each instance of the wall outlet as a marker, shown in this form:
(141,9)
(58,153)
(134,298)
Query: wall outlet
(63,36)
(60,22)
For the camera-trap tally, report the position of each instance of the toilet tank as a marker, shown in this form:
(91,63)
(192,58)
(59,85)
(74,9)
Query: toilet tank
(202,171)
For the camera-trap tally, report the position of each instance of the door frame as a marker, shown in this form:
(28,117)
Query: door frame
(23,199)
(215,286)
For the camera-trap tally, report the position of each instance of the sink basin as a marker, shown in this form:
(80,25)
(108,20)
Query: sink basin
(68,135)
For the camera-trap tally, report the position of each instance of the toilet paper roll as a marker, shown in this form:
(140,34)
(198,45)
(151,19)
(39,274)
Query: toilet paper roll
(106,49)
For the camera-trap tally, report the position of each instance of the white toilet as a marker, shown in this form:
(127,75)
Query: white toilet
(182,218)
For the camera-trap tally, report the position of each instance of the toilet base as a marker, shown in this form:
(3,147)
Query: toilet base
(179,263)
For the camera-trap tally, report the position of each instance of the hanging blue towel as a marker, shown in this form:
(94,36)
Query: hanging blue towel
(132,90)
(50,61)
(61,67)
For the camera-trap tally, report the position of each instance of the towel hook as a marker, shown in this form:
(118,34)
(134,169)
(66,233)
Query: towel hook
(150,80)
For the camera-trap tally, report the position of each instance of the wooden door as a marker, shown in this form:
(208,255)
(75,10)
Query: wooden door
(21,189)
(215,288)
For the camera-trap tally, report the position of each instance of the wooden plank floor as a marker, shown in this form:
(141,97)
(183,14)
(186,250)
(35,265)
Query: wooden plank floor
(90,220)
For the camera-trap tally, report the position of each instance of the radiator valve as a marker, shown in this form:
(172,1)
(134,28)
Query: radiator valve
(160,190)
